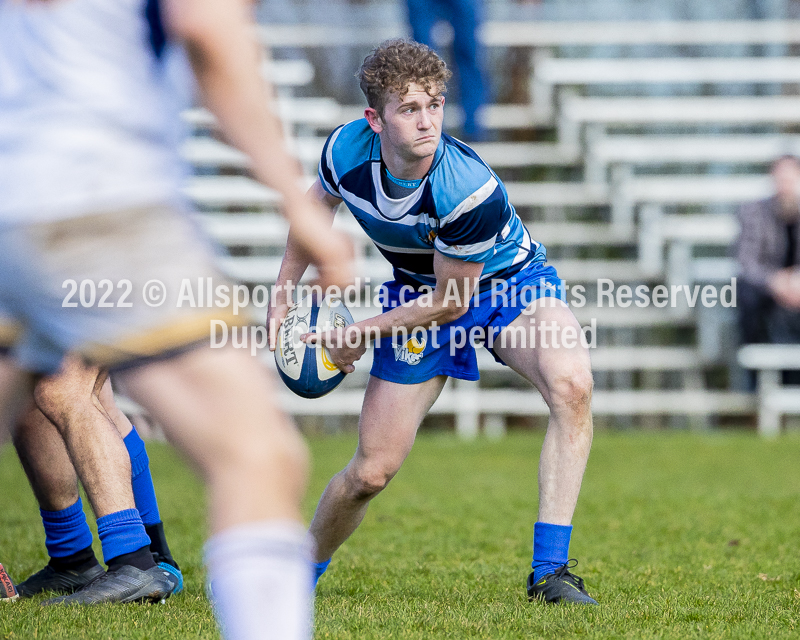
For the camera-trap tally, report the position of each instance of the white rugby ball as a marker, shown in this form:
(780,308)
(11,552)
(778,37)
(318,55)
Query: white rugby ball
(307,369)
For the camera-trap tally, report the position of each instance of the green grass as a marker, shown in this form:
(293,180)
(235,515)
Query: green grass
(678,536)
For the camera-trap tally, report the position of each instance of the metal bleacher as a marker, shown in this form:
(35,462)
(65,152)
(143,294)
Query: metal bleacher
(627,168)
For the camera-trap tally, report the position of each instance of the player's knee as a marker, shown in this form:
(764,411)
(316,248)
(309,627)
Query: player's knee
(51,397)
(572,389)
(367,482)
(70,391)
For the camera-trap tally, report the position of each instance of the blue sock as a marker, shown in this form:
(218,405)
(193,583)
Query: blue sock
(319,569)
(144,494)
(550,548)
(66,531)
(120,533)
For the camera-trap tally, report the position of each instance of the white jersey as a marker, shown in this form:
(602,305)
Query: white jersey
(89,109)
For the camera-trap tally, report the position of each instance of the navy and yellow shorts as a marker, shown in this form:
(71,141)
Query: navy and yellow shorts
(449,349)
(107,286)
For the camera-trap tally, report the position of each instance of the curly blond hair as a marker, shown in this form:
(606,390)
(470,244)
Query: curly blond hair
(394,65)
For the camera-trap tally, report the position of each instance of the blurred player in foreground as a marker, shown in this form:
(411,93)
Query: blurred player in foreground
(74,429)
(90,177)
(441,216)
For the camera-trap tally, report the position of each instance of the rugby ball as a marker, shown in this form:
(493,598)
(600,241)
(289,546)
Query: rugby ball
(307,369)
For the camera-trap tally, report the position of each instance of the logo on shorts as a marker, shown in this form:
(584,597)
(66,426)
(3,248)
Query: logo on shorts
(411,351)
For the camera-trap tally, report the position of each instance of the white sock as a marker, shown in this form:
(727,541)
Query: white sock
(261,577)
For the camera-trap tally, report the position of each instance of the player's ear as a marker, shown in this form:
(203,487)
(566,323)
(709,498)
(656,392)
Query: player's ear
(374,119)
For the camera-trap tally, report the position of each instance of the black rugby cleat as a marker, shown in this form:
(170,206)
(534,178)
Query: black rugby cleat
(66,582)
(126,584)
(560,586)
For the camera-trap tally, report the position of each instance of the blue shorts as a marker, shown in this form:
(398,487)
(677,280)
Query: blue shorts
(449,349)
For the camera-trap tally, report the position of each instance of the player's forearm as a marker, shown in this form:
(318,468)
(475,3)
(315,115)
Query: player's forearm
(456,282)
(293,266)
(424,312)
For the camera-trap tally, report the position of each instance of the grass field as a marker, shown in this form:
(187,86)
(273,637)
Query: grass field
(678,536)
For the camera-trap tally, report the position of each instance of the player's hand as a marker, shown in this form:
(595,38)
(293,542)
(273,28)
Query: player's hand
(275,317)
(336,342)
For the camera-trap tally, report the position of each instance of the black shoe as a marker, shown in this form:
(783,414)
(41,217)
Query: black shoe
(49,579)
(126,584)
(560,586)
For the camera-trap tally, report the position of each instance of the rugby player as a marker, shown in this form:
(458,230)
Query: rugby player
(443,219)
(91,178)
(74,429)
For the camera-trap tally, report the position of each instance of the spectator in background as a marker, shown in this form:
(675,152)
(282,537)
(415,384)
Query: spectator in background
(768,253)
(465,17)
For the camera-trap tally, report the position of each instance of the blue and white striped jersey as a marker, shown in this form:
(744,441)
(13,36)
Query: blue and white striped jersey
(461,208)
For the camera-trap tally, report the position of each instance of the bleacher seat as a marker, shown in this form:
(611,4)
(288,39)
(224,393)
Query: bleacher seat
(774,399)
(694,110)
(550,73)
(653,150)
